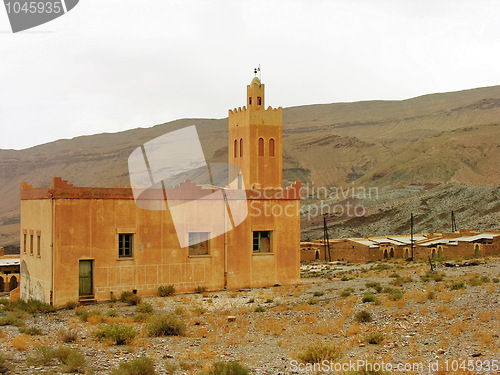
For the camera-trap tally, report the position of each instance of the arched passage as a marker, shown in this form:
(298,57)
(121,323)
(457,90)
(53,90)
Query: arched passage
(13,283)
(433,254)
(317,255)
(406,254)
(440,252)
(391,253)
(477,252)
(2,284)
(386,254)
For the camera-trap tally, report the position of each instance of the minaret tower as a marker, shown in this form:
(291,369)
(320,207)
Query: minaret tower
(255,140)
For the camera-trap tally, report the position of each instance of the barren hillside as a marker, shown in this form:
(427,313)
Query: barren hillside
(450,138)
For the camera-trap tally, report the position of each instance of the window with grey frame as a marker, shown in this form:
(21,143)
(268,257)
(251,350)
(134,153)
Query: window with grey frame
(199,243)
(262,241)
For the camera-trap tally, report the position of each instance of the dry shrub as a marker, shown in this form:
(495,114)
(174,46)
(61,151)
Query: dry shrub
(458,327)
(375,338)
(319,353)
(306,307)
(281,308)
(309,319)
(139,366)
(418,297)
(484,316)
(166,325)
(117,334)
(354,329)
(483,337)
(119,319)
(68,335)
(272,326)
(94,319)
(23,342)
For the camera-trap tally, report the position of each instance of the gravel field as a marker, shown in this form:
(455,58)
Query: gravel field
(446,322)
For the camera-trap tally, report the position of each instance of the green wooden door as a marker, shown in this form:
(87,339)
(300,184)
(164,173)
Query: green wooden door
(85,284)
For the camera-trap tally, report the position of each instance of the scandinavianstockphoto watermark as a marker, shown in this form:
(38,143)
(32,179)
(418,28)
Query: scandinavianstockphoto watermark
(446,365)
(316,201)
(26,14)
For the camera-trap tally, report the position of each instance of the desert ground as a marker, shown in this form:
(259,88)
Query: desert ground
(395,314)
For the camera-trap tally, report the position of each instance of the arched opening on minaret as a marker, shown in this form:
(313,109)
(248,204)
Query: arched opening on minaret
(261,146)
(272,151)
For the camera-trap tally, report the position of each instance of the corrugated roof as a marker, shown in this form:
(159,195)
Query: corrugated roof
(445,241)
(386,240)
(365,242)
(406,240)
(480,236)
(10,262)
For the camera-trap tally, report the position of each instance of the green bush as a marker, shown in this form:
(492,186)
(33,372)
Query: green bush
(125,295)
(129,297)
(346,292)
(363,316)
(457,285)
(112,313)
(70,305)
(133,300)
(11,320)
(319,353)
(200,289)
(312,301)
(139,366)
(68,335)
(374,338)
(496,280)
(474,281)
(260,309)
(396,295)
(318,294)
(369,297)
(117,333)
(72,360)
(431,295)
(432,276)
(398,281)
(166,325)
(84,314)
(374,285)
(227,368)
(144,307)
(485,279)
(166,290)
(142,317)
(41,356)
(32,331)
(31,306)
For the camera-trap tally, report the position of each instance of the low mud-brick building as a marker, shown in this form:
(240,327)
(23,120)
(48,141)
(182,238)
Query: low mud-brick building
(90,244)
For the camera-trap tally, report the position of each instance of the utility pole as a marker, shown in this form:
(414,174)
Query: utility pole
(412,241)
(325,239)
(453,223)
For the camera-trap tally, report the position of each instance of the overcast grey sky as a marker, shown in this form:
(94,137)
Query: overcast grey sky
(112,65)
